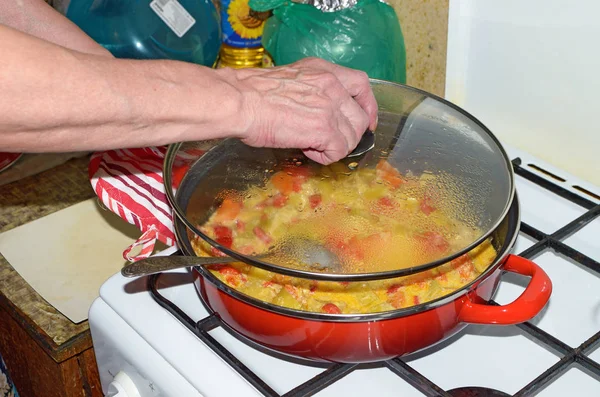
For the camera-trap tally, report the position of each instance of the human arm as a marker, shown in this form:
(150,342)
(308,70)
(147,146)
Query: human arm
(37,18)
(56,99)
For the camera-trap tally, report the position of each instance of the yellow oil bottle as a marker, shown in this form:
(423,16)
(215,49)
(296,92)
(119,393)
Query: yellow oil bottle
(242,30)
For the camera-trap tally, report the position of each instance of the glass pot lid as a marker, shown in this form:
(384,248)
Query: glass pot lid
(435,185)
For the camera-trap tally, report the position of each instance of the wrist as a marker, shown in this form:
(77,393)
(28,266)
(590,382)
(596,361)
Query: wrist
(236,117)
(196,102)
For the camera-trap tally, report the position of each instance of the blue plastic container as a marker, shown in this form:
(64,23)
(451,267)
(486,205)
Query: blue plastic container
(184,30)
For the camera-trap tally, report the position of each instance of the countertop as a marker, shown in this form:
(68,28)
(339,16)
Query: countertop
(22,202)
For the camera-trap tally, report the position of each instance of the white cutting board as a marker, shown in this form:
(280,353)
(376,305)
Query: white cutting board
(67,255)
(530,71)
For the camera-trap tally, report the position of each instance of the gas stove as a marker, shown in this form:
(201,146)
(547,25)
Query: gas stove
(153,336)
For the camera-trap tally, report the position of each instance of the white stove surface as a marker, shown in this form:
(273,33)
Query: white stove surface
(173,362)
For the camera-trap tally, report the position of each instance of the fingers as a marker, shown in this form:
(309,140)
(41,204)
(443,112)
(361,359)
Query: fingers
(323,91)
(358,86)
(319,157)
(357,120)
(352,120)
(354,81)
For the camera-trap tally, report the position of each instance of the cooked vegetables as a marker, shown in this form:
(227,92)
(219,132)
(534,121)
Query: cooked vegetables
(373,219)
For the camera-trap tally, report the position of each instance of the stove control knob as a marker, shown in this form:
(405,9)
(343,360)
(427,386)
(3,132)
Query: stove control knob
(122,386)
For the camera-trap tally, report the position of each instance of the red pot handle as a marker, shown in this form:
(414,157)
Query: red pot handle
(524,308)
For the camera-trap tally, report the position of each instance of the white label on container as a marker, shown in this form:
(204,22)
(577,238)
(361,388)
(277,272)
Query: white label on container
(174,15)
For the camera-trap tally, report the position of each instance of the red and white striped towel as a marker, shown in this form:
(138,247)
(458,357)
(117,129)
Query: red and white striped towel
(129,182)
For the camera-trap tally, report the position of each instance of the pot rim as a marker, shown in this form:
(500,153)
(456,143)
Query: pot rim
(180,214)
(514,213)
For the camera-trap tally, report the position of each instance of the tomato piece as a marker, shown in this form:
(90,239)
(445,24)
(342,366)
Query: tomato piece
(434,242)
(225,241)
(233,276)
(461,260)
(297,185)
(465,266)
(240,225)
(264,237)
(283,182)
(331,309)
(385,202)
(293,291)
(224,236)
(392,289)
(385,167)
(416,300)
(286,183)
(290,179)
(393,180)
(315,200)
(466,271)
(359,248)
(246,250)
(355,248)
(397,299)
(425,205)
(442,277)
(229,271)
(389,174)
(297,171)
(384,206)
(222,231)
(279,200)
(228,210)
(313,286)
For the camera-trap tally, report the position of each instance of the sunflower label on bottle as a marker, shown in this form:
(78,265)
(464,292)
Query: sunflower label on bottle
(241,26)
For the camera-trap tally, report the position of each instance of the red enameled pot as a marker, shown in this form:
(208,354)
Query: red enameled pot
(374,337)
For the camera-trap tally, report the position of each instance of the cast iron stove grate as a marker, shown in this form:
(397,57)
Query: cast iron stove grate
(569,356)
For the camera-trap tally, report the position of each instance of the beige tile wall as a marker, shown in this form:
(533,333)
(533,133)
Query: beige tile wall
(424,25)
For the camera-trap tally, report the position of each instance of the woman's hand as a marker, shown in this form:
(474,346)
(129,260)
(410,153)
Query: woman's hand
(313,105)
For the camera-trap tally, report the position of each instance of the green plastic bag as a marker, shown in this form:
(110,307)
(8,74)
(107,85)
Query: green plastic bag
(366,36)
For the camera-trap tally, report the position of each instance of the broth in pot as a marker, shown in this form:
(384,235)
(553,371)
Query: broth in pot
(372,219)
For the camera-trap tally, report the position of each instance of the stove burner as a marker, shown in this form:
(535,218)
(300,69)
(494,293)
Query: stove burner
(476,392)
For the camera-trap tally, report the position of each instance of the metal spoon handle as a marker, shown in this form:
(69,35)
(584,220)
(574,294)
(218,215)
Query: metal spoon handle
(158,264)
